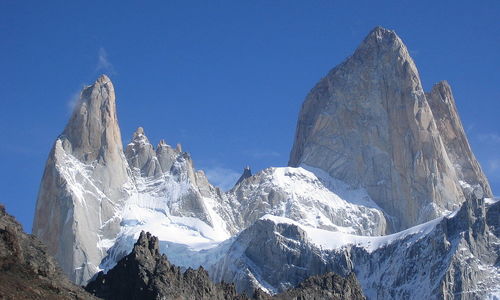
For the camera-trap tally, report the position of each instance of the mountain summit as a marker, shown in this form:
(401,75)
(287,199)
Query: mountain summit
(82,188)
(370,124)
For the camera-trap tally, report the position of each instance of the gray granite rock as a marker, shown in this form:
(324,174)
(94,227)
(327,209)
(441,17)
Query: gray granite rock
(455,141)
(454,257)
(82,188)
(369,123)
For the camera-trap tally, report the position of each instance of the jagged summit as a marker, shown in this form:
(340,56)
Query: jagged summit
(93,131)
(139,131)
(141,155)
(246,173)
(369,123)
(380,33)
(384,45)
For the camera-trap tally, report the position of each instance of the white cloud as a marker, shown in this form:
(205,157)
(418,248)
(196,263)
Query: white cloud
(103,63)
(494,165)
(73,100)
(222,177)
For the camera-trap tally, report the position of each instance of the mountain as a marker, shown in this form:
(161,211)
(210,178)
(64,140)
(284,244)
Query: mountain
(84,185)
(451,257)
(382,184)
(26,270)
(147,274)
(370,124)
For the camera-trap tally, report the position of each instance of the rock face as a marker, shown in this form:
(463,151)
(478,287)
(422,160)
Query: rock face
(274,258)
(82,189)
(26,270)
(369,123)
(452,132)
(454,257)
(147,274)
(326,286)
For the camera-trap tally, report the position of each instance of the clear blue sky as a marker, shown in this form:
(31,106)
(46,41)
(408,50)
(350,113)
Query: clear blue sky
(224,78)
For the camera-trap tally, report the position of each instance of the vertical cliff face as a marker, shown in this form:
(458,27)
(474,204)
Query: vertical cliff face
(369,123)
(452,132)
(83,186)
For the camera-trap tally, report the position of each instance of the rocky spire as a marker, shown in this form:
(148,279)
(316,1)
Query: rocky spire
(82,186)
(93,130)
(246,173)
(141,155)
(452,132)
(369,123)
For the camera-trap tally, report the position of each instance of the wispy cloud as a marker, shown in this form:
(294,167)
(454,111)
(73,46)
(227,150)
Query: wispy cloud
(73,101)
(222,177)
(103,63)
(494,165)
(490,138)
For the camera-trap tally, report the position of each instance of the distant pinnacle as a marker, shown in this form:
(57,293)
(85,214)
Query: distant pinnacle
(246,174)
(139,131)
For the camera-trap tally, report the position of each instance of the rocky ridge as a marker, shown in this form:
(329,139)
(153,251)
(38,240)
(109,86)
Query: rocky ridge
(452,257)
(147,274)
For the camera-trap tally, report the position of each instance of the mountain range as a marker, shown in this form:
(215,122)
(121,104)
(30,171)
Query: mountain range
(381,183)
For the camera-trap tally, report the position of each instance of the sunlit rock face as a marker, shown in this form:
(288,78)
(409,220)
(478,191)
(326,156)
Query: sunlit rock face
(83,186)
(369,123)
(452,132)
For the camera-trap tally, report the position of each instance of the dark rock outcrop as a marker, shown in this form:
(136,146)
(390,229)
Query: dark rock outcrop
(146,274)
(26,269)
(326,286)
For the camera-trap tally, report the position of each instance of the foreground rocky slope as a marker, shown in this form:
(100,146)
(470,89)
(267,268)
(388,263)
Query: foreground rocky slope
(147,274)
(27,271)
(369,123)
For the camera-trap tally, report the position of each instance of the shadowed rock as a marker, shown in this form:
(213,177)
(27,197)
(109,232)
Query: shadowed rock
(27,271)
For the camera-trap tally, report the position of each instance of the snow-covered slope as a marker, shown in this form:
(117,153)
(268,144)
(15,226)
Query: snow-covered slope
(452,257)
(311,198)
(294,193)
